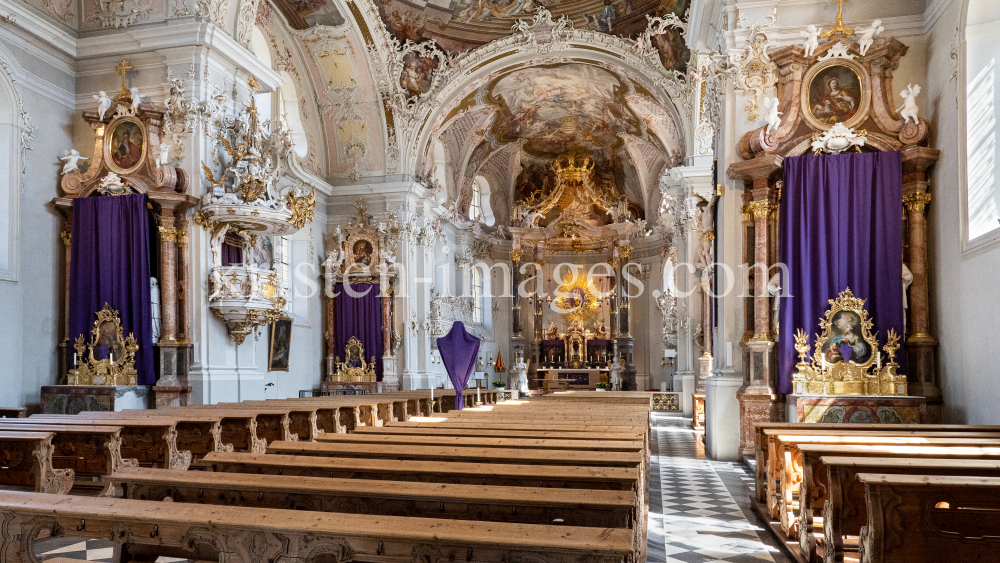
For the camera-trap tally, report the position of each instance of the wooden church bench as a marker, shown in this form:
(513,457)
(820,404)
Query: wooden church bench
(844,507)
(928,518)
(153,442)
(91,452)
(393,429)
(253,535)
(515,425)
(519,475)
(465,454)
(237,432)
(482,441)
(530,505)
(13,412)
(26,461)
(273,422)
(197,434)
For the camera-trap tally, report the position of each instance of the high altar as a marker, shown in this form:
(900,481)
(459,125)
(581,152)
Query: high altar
(576,359)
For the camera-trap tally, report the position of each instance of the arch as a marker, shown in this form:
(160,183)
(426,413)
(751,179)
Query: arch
(288,105)
(979,125)
(481,192)
(10,173)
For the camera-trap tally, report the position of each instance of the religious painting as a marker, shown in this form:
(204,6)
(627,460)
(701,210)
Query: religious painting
(846,332)
(364,254)
(262,254)
(281,345)
(417,73)
(354,353)
(672,49)
(303,14)
(836,95)
(125,145)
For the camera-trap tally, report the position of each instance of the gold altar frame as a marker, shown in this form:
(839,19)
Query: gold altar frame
(109,139)
(821,68)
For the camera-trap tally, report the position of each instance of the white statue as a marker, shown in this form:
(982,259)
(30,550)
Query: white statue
(154,307)
(616,369)
(164,156)
(521,368)
(909,110)
(217,285)
(774,289)
(103,103)
(136,98)
(254,284)
(811,35)
(907,280)
(72,160)
(868,36)
(218,237)
(773,121)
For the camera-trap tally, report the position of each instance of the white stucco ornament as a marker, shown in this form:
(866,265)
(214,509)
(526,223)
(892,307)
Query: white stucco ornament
(838,139)
(909,111)
(811,35)
(773,115)
(868,36)
(838,51)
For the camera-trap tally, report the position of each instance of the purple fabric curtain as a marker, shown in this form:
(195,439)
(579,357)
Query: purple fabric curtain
(359,315)
(109,263)
(232,255)
(841,226)
(458,353)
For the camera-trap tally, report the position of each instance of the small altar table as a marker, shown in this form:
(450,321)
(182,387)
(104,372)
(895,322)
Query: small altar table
(74,399)
(864,409)
(370,386)
(585,378)
(548,384)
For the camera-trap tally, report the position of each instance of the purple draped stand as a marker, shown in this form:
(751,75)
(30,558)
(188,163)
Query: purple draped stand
(458,353)
(109,263)
(841,227)
(359,315)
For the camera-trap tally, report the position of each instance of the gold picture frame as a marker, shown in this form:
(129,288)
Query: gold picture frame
(836,91)
(280,351)
(362,254)
(122,153)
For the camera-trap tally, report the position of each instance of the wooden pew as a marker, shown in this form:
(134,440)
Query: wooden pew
(844,508)
(927,518)
(237,431)
(152,442)
(530,505)
(487,442)
(465,454)
(393,429)
(13,412)
(274,423)
(89,452)
(253,535)
(196,434)
(26,461)
(515,475)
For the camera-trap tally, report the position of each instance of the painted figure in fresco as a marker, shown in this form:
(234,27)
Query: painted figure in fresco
(607,15)
(836,105)
(416,75)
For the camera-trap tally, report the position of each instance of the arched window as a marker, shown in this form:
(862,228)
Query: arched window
(480,206)
(477,294)
(982,97)
(288,103)
(10,178)
(476,207)
(258,44)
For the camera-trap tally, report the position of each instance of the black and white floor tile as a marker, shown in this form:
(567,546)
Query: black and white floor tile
(700,519)
(89,550)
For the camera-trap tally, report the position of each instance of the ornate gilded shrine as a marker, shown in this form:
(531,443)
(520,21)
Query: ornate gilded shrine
(130,156)
(108,359)
(354,368)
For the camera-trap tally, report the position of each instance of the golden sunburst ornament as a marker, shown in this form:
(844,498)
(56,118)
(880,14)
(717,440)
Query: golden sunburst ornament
(579,298)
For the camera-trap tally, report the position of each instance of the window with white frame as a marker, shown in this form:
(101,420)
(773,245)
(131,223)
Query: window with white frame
(982,97)
(476,207)
(477,295)
(282,261)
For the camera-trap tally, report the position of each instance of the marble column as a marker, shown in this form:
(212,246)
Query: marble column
(517,327)
(168,275)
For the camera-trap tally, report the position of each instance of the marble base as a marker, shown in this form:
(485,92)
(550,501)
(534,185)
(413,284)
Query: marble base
(859,409)
(74,399)
(169,396)
(754,408)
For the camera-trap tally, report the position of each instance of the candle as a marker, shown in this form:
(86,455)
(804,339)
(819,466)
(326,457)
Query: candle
(477,393)
(879,359)
(74,358)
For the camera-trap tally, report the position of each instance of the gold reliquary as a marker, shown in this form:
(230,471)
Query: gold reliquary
(354,368)
(846,359)
(109,359)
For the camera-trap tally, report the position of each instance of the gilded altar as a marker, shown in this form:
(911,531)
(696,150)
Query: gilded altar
(354,368)
(846,360)
(109,359)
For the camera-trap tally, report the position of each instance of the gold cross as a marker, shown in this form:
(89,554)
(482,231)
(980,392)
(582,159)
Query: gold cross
(839,26)
(360,206)
(122,69)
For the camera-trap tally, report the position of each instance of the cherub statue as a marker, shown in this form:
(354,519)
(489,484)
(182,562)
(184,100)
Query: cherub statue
(254,284)
(103,103)
(868,36)
(774,289)
(642,46)
(217,285)
(707,233)
(811,35)
(773,119)
(553,332)
(909,110)
(72,160)
(136,98)
(218,237)
(164,155)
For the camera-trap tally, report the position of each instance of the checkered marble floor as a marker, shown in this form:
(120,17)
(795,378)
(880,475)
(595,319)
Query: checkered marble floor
(89,550)
(694,514)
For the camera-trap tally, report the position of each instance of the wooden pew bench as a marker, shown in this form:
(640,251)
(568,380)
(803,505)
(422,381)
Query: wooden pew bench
(196,434)
(844,508)
(393,429)
(13,412)
(153,442)
(925,518)
(255,535)
(273,423)
(91,452)
(26,461)
(529,505)
(486,442)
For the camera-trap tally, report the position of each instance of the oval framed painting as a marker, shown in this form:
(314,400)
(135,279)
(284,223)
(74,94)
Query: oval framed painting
(125,145)
(836,91)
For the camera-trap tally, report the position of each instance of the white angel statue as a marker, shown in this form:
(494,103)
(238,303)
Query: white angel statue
(136,98)
(217,239)
(909,110)
(773,119)
(868,36)
(103,103)
(164,156)
(811,35)
(72,160)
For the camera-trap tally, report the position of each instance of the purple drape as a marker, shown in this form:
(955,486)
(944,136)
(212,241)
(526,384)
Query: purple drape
(359,315)
(841,226)
(109,263)
(458,354)
(232,255)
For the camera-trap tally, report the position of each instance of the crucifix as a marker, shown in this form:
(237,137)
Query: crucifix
(839,26)
(122,69)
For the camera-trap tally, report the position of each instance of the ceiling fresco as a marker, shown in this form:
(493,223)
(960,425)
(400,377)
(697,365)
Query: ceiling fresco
(554,108)
(303,14)
(461,25)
